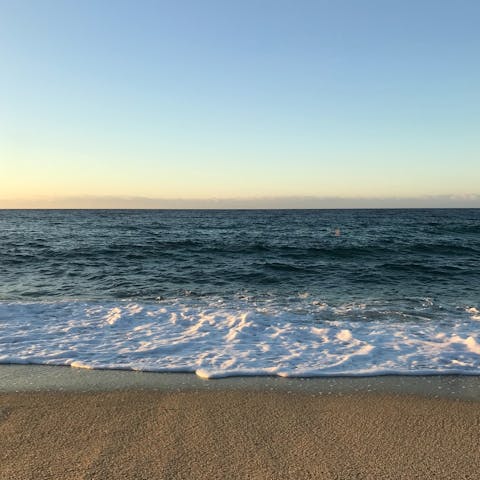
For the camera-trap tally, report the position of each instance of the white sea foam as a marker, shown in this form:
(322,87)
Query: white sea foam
(474,312)
(216,339)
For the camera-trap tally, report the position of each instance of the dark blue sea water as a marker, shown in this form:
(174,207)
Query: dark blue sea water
(147,255)
(297,270)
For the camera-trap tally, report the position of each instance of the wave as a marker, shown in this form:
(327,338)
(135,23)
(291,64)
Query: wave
(215,337)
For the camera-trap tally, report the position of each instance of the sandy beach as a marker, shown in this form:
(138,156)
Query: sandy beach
(236,435)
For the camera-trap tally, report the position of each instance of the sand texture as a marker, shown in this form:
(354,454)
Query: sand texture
(236,435)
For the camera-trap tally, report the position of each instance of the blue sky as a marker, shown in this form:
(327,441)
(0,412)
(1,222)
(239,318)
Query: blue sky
(252,99)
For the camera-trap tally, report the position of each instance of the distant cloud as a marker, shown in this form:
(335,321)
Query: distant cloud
(88,202)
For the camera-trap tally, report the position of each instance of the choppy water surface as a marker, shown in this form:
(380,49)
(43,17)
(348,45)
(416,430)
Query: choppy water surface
(243,292)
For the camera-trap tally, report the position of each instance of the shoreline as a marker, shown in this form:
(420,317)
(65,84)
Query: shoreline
(45,378)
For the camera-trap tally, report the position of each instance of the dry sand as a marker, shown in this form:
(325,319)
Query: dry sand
(236,435)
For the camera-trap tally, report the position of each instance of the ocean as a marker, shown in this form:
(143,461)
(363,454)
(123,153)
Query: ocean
(254,292)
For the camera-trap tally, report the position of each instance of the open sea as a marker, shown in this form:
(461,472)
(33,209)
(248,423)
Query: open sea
(254,292)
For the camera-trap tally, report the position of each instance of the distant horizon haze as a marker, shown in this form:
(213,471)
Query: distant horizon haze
(293,202)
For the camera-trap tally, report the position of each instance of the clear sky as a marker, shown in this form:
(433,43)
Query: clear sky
(188,99)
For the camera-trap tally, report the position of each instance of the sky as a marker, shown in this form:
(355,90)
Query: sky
(246,103)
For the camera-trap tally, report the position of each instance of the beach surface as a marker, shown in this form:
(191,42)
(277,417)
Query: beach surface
(237,433)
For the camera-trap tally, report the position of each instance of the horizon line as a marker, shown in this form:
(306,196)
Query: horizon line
(238,209)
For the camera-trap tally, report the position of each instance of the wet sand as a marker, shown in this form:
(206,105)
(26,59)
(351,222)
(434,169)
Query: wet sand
(236,434)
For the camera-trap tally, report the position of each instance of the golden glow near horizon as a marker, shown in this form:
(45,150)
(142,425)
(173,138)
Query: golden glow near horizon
(40,175)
